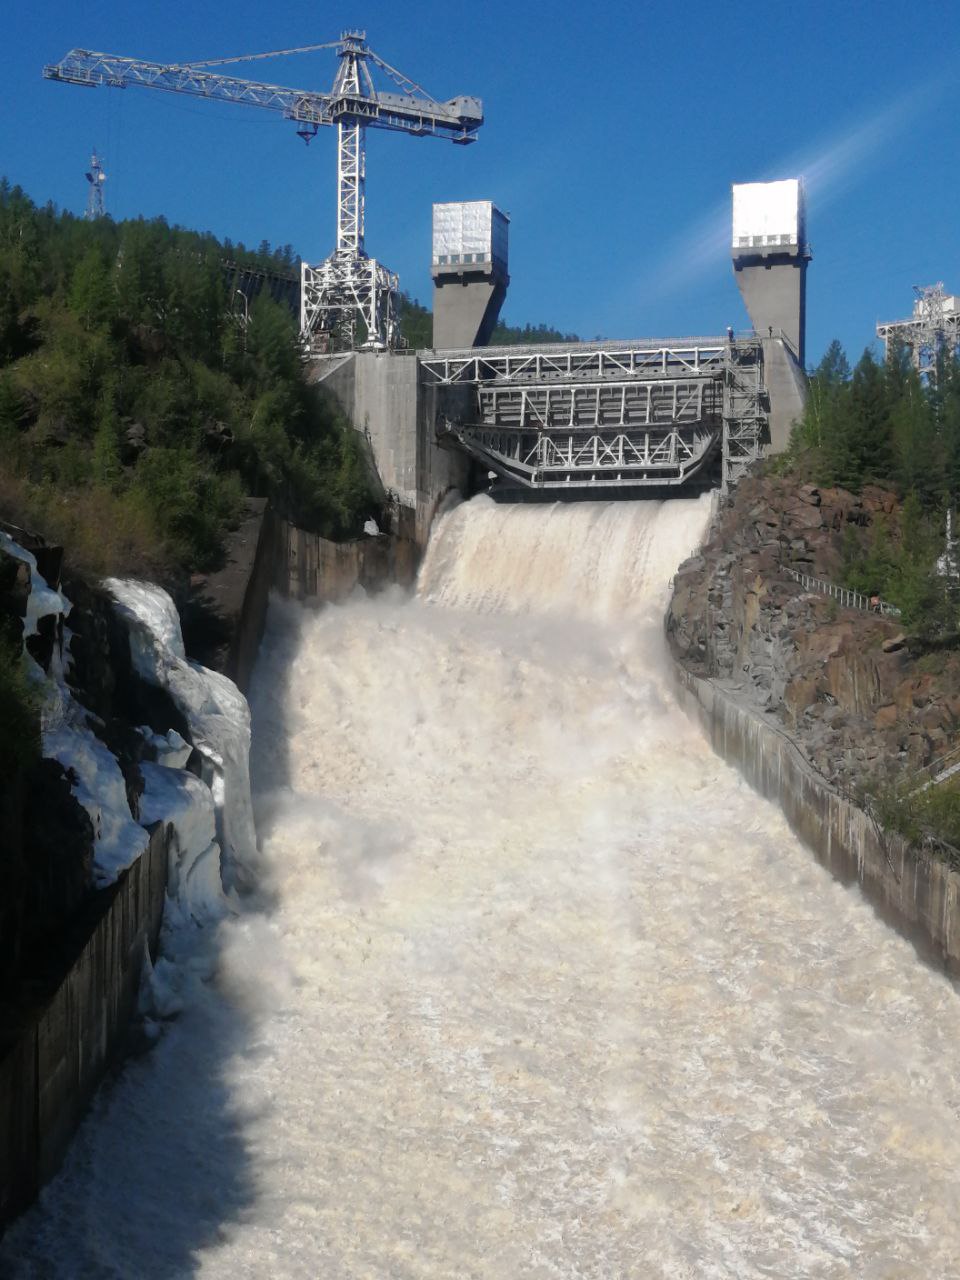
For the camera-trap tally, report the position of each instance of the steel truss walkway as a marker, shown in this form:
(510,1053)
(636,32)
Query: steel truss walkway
(588,416)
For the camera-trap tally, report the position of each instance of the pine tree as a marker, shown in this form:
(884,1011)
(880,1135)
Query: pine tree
(825,390)
(107,436)
(91,291)
(866,426)
(918,444)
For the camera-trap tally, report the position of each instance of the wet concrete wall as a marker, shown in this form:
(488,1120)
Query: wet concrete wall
(917,894)
(308,567)
(50,1068)
(224,615)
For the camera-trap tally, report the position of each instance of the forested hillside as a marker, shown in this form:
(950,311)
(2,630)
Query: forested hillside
(136,410)
(416,326)
(881,425)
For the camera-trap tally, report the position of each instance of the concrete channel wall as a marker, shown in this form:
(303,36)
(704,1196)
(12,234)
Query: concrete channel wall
(50,1071)
(308,567)
(918,895)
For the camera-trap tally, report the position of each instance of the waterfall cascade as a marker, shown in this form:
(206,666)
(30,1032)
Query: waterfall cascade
(533,985)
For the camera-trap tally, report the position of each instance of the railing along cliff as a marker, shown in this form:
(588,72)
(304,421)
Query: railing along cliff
(848,598)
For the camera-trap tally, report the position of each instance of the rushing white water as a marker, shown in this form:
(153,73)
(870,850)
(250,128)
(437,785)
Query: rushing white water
(536,986)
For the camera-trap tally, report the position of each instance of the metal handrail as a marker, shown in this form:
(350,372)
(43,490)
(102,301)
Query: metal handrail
(849,598)
(579,348)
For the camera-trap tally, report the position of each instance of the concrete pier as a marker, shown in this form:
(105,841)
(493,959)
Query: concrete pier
(770,257)
(385,399)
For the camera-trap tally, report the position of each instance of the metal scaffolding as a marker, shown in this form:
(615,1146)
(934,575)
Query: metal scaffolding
(931,334)
(745,409)
(591,416)
(582,360)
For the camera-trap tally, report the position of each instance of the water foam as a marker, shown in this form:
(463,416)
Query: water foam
(537,987)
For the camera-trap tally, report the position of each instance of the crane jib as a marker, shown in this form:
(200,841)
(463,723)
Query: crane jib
(457,119)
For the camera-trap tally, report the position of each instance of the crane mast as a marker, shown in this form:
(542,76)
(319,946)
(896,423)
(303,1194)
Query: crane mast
(349,288)
(351,158)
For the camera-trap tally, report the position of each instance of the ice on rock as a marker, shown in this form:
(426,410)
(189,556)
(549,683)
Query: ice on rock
(95,776)
(98,784)
(172,750)
(175,796)
(43,600)
(214,708)
(160,989)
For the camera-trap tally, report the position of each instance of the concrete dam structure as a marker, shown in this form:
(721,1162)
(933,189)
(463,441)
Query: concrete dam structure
(580,420)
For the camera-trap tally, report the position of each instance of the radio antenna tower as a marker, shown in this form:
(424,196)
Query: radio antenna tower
(96,178)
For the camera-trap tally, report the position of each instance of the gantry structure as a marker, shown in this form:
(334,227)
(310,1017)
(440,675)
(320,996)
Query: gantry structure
(350,299)
(932,332)
(576,418)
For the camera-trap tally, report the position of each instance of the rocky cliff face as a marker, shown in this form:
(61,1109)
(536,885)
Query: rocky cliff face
(843,682)
(54,821)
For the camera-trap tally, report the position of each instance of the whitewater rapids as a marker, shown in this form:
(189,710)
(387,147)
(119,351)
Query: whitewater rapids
(535,986)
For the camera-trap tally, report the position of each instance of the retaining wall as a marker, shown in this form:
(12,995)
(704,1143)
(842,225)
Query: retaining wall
(308,567)
(918,895)
(51,1068)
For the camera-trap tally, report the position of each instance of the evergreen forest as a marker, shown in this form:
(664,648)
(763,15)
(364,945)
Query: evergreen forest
(881,424)
(416,327)
(141,399)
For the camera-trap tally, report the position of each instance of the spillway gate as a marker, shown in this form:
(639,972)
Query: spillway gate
(577,417)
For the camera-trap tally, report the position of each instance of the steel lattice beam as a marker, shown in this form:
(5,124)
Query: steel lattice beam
(588,361)
(557,460)
(598,404)
(930,335)
(409,114)
(596,416)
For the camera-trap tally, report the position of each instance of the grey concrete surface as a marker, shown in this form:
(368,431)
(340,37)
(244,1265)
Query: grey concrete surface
(381,395)
(50,1069)
(786,386)
(918,895)
(466,307)
(774,291)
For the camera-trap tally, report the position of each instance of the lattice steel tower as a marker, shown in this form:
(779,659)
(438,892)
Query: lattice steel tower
(931,333)
(96,178)
(349,289)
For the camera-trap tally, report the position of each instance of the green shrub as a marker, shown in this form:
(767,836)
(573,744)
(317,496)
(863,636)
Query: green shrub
(19,710)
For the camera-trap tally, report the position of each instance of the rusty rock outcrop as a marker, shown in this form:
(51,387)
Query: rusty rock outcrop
(842,681)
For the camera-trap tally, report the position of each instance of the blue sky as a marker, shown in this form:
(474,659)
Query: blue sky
(613,133)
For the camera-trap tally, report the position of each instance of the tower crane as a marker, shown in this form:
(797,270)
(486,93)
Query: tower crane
(348,286)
